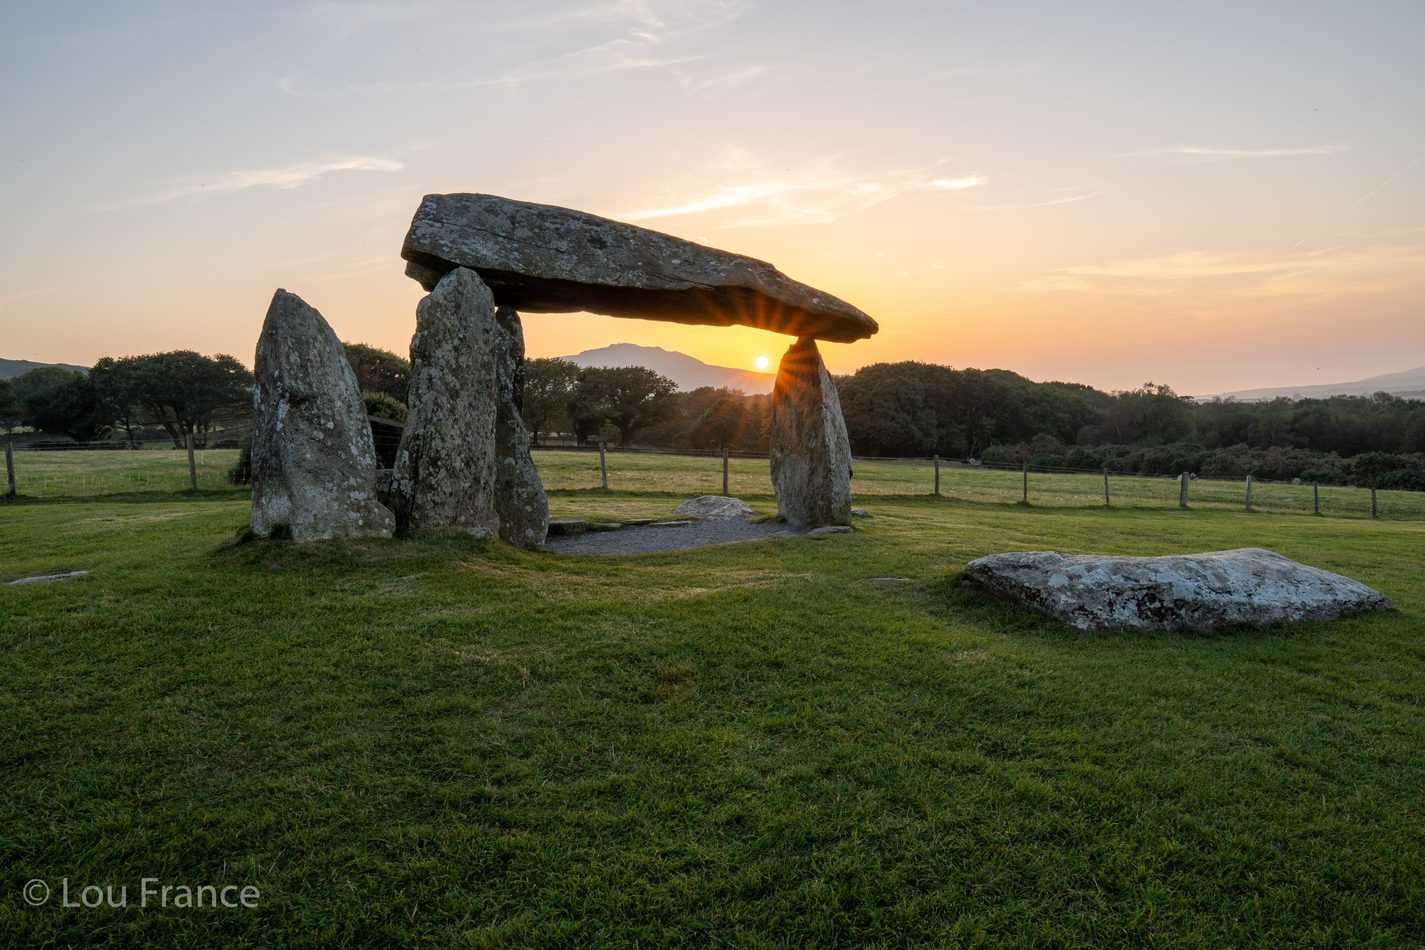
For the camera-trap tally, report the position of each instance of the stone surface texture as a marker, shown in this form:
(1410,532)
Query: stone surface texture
(520,501)
(810,453)
(313,463)
(445,468)
(545,259)
(714,508)
(1247,587)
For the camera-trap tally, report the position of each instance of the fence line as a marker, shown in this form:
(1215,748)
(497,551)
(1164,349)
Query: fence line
(67,472)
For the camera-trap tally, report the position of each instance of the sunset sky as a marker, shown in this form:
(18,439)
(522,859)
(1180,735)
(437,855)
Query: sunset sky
(1212,195)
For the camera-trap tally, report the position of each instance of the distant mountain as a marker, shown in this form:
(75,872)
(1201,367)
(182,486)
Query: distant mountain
(687,372)
(9,369)
(1409,384)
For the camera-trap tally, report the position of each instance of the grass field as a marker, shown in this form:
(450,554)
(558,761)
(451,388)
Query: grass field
(90,474)
(445,743)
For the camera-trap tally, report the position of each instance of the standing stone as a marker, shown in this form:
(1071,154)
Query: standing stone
(519,494)
(445,467)
(811,455)
(313,463)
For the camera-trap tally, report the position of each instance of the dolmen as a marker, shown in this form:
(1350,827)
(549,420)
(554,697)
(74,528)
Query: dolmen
(1245,587)
(464,462)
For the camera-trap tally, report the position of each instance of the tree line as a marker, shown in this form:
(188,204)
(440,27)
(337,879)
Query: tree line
(179,392)
(906,409)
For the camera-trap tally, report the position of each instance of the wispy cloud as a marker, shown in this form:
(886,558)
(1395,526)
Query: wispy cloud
(1047,203)
(650,35)
(283,177)
(730,79)
(1331,272)
(958,184)
(1208,153)
(633,52)
(820,194)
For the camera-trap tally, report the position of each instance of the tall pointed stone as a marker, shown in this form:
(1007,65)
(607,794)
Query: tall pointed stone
(313,463)
(811,455)
(445,467)
(519,494)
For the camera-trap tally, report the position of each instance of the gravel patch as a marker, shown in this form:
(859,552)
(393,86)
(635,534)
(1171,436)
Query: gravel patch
(647,539)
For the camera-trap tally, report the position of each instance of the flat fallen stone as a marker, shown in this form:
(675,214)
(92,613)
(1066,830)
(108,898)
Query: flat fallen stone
(669,524)
(564,527)
(605,525)
(47,578)
(714,508)
(1247,587)
(828,530)
(636,522)
(545,259)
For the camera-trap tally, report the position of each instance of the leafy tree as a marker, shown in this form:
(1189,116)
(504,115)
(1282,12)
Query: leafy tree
(549,386)
(9,406)
(186,392)
(721,424)
(61,401)
(380,371)
(117,389)
(629,398)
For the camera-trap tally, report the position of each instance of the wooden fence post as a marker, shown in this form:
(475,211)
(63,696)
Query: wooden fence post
(192,465)
(603,467)
(1316,499)
(1025,499)
(1373,501)
(936,460)
(1183,490)
(1249,492)
(725,492)
(10,467)
(1106,502)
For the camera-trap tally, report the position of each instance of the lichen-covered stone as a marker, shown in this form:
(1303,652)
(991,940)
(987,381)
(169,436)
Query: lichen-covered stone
(519,494)
(445,468)
(810,453)
(313,463)
(1247,587)
(545,259)
(714,508)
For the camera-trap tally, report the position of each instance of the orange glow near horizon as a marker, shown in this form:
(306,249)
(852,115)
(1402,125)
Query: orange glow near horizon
(1095,207)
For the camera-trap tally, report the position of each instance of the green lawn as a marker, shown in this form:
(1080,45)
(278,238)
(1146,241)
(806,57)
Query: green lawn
(445,743)
(92,474)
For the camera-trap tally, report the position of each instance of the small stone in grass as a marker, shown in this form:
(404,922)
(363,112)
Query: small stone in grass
(48,578)
(828,530)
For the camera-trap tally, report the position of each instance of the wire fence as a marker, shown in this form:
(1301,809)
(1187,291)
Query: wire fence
(79,471)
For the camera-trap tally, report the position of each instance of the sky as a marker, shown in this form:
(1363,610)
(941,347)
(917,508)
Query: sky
(1215,196)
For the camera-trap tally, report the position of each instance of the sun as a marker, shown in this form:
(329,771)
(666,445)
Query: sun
(763,363)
